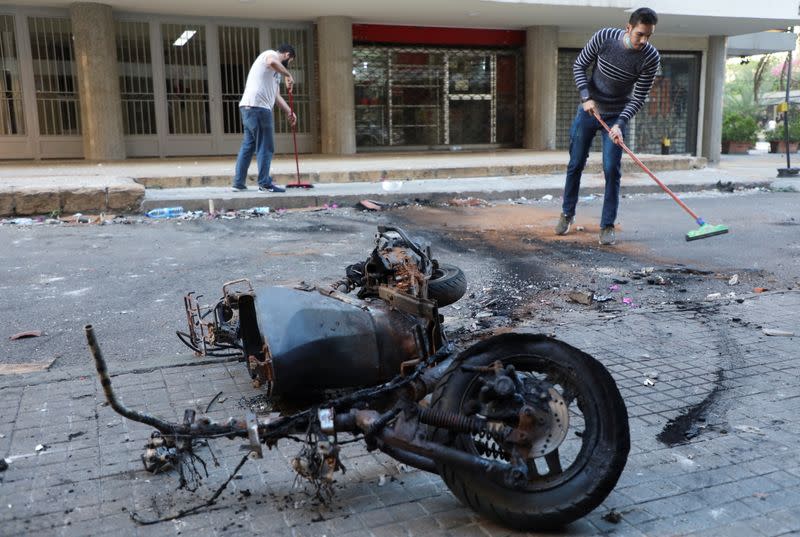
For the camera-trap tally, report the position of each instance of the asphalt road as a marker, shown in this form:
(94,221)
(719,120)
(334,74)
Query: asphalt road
(129,280)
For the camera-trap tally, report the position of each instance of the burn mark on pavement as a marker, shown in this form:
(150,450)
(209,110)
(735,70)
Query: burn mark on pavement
(694,419)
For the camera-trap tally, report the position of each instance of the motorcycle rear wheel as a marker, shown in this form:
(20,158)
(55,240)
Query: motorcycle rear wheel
(585,467)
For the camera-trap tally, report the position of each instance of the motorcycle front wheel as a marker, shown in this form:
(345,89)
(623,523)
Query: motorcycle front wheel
(447,285)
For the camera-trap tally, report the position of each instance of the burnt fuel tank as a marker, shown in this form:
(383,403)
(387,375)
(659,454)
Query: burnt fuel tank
(318,342)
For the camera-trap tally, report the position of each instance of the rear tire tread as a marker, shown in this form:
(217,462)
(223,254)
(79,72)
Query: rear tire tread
(542,518)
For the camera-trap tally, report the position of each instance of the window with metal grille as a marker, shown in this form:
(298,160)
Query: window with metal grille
(672,106)
(186,74)
(238,48)
(12,120)
(136,78)
(568,99)
(670,109)
(55,78)
(301,72)
(428,97)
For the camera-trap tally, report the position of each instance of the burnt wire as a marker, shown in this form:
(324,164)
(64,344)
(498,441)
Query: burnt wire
(180,514)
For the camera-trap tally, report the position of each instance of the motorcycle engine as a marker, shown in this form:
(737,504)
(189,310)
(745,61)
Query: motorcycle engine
(396,262)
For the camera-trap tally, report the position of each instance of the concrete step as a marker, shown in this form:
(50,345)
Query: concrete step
(414,169)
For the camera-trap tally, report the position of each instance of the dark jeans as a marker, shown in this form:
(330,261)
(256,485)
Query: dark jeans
(581,135)
(259,139)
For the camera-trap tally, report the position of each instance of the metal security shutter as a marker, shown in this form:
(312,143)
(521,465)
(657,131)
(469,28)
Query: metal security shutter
(417,97)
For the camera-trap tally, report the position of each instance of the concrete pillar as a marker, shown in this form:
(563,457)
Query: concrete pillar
(715,82)
(336,99)
(98,81)
(541,86)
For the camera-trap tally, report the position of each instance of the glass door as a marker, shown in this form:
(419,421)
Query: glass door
(14,135)
(187,89)
(470,99)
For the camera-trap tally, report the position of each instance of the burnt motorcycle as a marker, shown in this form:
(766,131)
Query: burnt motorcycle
(524,429)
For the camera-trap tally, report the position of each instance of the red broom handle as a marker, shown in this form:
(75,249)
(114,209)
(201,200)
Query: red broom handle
(652,176)
(294,135)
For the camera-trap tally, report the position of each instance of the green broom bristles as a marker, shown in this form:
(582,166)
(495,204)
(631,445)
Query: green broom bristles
(705,231)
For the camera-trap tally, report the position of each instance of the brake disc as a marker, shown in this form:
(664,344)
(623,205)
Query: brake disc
(547,436)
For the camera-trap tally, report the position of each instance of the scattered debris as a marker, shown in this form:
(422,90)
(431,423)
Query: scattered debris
(31,367)
(724,187)
(749,429)
(603,298)
(547,197)
(760,289)
(581,297)
(371,205)
(649,382)
(760,495)
(580,228)
(40,448)
(777,333)
(24,335)
(657,280)
(382,480)
(713,296)
(734,280)
(613,288)
(3,465)
(613,516)
(687,270)
(468,202)
(76,434)
(208,406)
(627,300)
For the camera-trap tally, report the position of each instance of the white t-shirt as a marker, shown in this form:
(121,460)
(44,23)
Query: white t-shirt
(262,83)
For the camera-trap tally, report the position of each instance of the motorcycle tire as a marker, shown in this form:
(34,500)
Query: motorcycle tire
(447,285)
(562,493)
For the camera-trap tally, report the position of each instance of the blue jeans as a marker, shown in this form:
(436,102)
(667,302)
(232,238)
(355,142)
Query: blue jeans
(259,139)
(581,135)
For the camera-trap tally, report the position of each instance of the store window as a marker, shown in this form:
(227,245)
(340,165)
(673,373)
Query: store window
(186,71)
(55,78)
(238,48)
(669,112)
(136,78)
(671,108)
(301,69)
(12,120)
(425,98)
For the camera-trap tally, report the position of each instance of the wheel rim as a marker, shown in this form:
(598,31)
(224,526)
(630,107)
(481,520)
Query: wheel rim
(573,453)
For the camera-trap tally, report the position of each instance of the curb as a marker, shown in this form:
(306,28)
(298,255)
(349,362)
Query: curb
(655,163)
(198,202)
(38,200)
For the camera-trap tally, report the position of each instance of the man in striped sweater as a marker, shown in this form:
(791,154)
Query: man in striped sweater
(624,67)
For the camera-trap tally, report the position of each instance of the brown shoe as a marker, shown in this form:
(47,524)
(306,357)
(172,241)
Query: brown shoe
(564,223)
(608,236)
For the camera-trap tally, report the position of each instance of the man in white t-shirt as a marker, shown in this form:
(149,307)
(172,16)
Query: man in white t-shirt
(261,92)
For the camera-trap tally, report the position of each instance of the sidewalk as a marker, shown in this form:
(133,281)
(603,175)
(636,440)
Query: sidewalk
(43,187)
(74,467)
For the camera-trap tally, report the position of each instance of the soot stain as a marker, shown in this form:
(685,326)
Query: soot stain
(691,423)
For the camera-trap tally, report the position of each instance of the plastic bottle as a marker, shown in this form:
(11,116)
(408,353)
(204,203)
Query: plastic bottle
(260,210)
(165,212)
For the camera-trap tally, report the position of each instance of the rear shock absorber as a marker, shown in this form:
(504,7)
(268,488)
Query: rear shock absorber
(454,422)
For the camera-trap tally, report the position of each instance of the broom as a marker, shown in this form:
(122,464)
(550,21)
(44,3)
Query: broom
(298,184)
(705,230)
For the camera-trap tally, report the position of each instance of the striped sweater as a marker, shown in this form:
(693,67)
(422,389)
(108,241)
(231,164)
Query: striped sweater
(621,78)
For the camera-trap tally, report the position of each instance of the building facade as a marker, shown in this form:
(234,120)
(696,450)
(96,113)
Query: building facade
(158,79)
